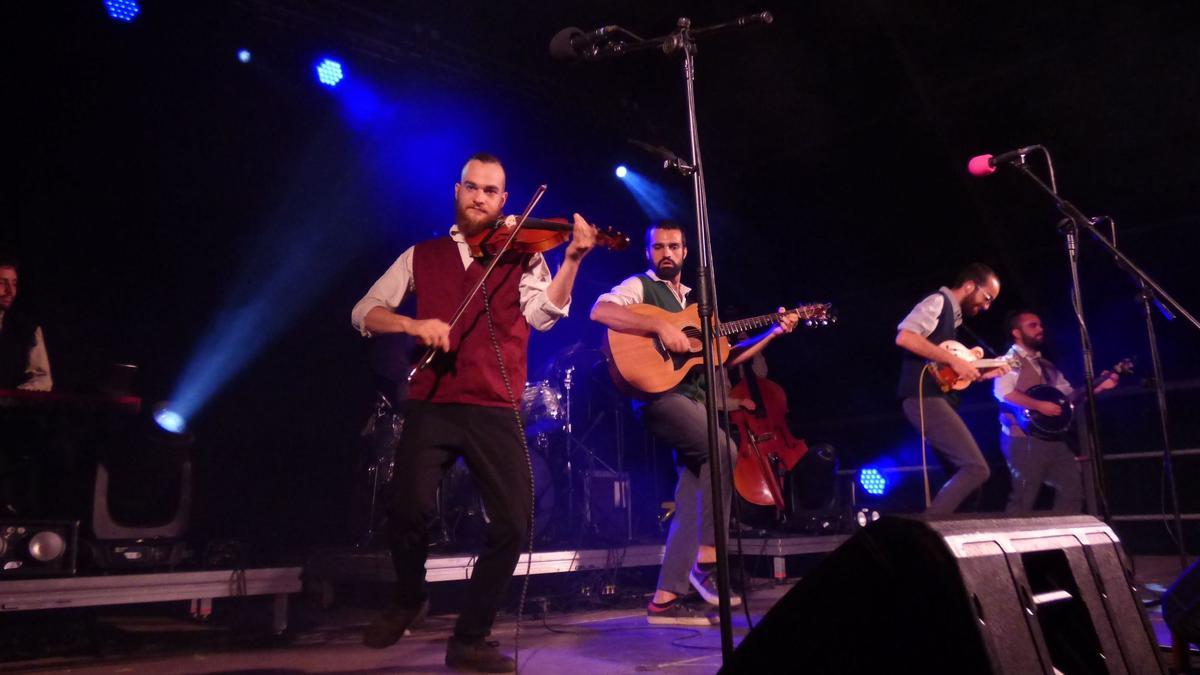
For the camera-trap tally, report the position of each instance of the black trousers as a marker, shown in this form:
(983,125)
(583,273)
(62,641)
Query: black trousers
(489,441)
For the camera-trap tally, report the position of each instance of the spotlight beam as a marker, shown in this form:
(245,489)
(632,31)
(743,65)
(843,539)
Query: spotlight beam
(653,198)
(275,281)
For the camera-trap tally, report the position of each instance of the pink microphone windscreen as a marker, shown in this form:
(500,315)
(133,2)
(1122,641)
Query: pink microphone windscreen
(980,166)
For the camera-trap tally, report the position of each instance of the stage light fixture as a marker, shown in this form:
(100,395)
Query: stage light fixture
(873,481)
(243,55)
(37,548)
(329,72)
(169,420)
(622,171)
(122,10)
(865,517)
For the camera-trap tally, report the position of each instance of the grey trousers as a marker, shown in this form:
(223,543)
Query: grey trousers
(948,434)
(681,423)
(1034,461)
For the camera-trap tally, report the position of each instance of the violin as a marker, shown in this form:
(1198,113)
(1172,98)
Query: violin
(766,447)
(535,236)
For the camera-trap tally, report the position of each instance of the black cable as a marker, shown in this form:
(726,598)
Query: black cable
(487,310)
(692,632)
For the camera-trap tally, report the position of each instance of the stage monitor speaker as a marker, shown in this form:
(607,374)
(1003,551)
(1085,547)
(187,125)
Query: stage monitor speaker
(37,548)
(608,505)
(1181,605)
(1012,596)
(137,506)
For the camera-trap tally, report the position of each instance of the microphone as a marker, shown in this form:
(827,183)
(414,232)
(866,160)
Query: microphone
(570,43)
(985,165)
(754,19)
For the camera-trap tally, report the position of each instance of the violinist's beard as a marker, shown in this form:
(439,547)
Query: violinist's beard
(470,221)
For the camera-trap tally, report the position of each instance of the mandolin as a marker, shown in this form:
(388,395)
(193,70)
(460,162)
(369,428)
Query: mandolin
(948,380)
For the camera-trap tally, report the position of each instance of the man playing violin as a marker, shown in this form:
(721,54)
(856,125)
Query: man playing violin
(1031,460)
(678,419)
(932,321)
(464,403)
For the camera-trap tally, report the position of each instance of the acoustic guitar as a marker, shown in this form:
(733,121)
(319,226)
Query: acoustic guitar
(642,364)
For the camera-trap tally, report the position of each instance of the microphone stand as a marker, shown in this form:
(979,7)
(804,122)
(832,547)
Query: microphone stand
(1150,292)
(683,40)
(706,299)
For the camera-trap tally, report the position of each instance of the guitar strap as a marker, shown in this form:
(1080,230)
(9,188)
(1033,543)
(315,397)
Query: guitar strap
(1049,372)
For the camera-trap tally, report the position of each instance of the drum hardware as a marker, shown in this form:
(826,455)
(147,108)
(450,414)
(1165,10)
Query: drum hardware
(382,433)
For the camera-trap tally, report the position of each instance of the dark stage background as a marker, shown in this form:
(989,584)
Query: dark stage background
(214,222)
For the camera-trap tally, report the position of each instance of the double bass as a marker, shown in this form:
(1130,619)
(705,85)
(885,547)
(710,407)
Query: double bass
(766,447)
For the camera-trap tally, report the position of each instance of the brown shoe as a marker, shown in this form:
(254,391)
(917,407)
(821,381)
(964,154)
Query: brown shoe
(482,656)
(391,625)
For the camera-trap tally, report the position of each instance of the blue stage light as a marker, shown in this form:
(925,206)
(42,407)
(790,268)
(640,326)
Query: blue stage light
(243,55)
(873,481)
(329,72)
(169,420)
(122,10)
(656,201)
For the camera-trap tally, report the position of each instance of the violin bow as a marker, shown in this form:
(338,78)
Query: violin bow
(462,307)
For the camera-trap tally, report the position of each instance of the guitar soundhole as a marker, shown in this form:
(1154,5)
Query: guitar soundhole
(662,351)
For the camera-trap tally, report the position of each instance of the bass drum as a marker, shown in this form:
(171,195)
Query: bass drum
(462,517)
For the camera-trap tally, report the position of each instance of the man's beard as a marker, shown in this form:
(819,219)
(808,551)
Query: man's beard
(1035,342)
(471,222)
(668,272)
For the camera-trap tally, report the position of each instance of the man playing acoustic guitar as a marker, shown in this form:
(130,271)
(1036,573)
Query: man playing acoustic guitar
(1032,460)
(677,418)
(930,323)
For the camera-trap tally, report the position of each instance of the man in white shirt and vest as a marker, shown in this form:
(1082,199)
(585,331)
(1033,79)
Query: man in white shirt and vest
(1034,461)
(678,419)
(465,403)
(931,322)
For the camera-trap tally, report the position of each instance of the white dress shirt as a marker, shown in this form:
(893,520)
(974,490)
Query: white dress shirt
(923,318)
(397,282)
(38,365)
(1005,384)
(632,292)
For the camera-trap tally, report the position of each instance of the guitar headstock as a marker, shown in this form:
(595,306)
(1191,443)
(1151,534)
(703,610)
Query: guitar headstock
(612,239)
(815,315)
(1124,366)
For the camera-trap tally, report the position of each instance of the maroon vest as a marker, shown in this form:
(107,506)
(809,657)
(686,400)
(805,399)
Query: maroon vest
(469,372)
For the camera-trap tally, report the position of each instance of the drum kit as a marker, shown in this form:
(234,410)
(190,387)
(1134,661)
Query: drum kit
(556,453)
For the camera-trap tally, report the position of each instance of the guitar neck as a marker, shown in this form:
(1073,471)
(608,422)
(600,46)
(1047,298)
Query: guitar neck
(745,325)
(988,363)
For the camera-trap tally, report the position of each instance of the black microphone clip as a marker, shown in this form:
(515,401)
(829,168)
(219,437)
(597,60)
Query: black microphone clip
(572,43)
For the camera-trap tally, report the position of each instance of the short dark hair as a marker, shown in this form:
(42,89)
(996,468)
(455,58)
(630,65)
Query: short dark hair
(483,157)
(9,261)
(977,272)
(666,224)
(1013,318)
(486,158)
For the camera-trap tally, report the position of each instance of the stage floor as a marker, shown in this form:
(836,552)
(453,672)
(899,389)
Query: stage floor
(161,640)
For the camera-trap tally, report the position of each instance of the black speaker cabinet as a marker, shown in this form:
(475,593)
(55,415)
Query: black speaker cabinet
(607,505)
(38,548)
(1012,596)
(1181,605)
